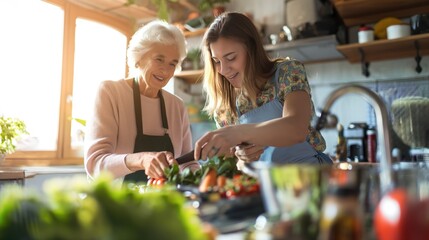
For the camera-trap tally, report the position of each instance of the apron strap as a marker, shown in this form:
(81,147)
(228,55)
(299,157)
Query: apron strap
(163,113)
(138,108)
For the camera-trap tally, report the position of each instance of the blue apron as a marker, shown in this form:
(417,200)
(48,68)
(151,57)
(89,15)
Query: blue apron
(299,153)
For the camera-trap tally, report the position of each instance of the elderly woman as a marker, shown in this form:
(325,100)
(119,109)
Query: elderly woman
(137,129)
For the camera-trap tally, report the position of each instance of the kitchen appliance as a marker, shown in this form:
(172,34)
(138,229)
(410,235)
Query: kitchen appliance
(356,140)
(420,23)
(410,120)
(310,18)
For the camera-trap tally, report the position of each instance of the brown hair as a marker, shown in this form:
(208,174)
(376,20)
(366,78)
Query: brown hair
(221,95)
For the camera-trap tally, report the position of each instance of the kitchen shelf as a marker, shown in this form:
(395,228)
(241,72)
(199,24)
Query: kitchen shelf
(386,49)
(191,76)
(195,33)
(357,12)
(307,50)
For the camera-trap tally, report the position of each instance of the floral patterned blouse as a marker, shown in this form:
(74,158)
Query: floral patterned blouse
(292,77)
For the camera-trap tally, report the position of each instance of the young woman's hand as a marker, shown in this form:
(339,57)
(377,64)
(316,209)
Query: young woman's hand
(220,142)
(248,152)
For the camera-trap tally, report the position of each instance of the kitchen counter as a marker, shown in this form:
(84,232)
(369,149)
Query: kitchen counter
(33,177)
(27,172)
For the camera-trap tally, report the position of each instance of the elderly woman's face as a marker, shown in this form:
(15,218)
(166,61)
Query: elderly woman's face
(157,66)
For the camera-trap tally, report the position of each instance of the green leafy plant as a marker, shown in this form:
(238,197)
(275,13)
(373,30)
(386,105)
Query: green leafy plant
(194,55)
(205,5)
(161,6)
(10,130)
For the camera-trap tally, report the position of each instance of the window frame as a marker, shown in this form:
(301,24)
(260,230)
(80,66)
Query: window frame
(64,154)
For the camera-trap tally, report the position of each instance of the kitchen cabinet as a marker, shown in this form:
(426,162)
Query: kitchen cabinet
(357,12)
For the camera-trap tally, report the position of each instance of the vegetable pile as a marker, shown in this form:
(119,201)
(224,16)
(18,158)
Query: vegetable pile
(216,175)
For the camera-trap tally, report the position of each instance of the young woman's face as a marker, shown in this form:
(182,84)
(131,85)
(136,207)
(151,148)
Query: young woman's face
(229,58)
(158,65)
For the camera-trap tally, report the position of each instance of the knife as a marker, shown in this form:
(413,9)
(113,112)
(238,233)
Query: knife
(188,157)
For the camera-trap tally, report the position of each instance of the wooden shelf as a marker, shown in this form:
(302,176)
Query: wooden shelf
(386,49)
(308,50)
(196,33)
(357,12)
(191,76)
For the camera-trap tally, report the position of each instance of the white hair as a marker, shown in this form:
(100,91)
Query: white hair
(154,32)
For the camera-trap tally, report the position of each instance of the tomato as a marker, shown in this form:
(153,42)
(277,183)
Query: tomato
(253,189)
(390,217)
(160,181)
(418,221)
(150,181)
(230,193)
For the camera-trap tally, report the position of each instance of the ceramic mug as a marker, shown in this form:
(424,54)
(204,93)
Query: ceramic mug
(398,31)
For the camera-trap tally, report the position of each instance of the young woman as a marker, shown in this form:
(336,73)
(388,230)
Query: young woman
(262,106)
(137,129)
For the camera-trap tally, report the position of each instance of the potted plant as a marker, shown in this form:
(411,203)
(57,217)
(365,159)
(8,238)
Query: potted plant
(194,55)
(216,6)
(10,130)
(161,6)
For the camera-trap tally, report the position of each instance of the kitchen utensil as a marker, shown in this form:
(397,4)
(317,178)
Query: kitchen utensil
(187,157)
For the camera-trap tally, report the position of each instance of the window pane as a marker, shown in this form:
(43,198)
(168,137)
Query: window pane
(100,54)
(31,46)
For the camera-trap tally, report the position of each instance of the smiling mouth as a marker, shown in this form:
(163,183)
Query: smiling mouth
(233,76)
(159,78)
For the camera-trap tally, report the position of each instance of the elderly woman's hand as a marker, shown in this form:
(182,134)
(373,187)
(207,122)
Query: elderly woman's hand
(153,163)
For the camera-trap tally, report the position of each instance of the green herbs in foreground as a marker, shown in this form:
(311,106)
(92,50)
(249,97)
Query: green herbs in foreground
(77,209)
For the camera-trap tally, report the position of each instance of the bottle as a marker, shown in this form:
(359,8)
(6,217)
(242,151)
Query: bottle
(341,216)
(341,150)
(365,34)
(371,145)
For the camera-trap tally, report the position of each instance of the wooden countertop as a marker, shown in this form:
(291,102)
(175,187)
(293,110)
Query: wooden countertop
(26,172)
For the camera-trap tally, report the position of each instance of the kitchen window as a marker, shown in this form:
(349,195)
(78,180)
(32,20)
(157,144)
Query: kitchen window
(56,53)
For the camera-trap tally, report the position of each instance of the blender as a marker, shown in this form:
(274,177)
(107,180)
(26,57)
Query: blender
(410,119)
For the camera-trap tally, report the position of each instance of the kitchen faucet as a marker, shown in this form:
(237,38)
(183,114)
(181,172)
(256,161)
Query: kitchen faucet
(383,134)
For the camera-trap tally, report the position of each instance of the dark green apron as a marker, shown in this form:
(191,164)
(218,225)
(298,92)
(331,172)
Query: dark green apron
(148,143)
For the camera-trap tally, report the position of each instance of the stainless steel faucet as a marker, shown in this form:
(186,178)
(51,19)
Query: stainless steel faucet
(383,134)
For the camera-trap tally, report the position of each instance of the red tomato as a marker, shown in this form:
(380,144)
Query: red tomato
(253,189)
(150,181)
(160,181)
(390,217)
(418,221)
(230,193)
